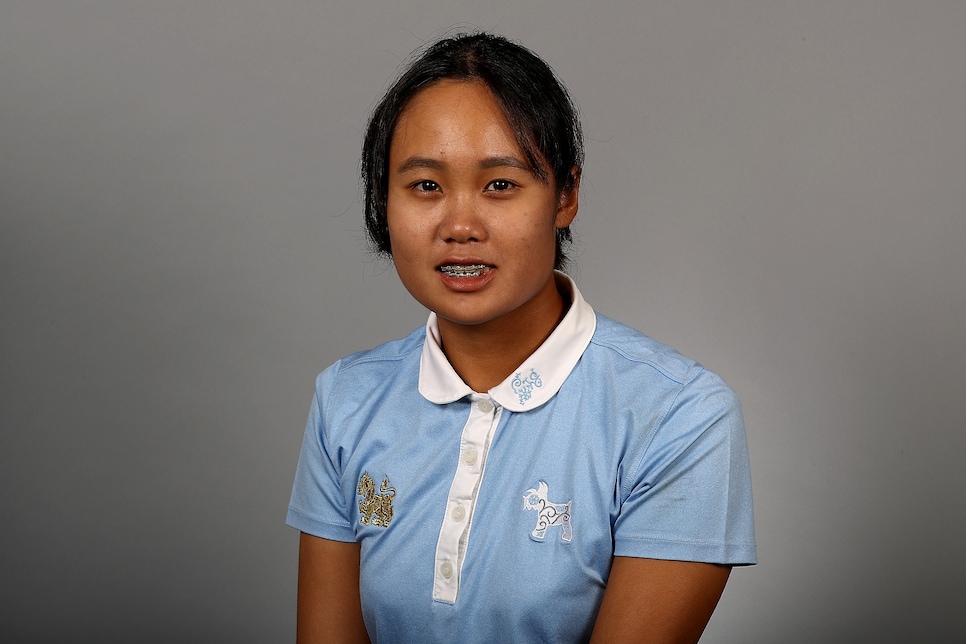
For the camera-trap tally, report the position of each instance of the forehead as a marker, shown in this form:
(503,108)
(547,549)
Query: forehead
(451,115)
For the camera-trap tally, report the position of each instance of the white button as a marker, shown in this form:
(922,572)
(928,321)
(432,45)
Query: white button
(485,406)
(446,569)
(458,513)
(469,457)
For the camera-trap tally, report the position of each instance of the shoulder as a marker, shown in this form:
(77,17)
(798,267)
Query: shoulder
(651,368)
(625,344)
(385,354)
(368,369)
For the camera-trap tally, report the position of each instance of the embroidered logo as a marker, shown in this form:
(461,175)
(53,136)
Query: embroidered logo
(523,387)
(375,508)
(548,514)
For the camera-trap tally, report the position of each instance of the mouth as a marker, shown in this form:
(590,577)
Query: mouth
(464,270)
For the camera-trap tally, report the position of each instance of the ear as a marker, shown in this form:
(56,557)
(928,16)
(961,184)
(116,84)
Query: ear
(567,202)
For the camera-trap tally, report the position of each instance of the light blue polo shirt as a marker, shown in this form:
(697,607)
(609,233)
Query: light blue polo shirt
(495,517)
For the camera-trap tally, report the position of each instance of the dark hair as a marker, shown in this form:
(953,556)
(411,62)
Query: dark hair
(536,105)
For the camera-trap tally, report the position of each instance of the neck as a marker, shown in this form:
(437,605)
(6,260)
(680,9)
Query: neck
(484,355)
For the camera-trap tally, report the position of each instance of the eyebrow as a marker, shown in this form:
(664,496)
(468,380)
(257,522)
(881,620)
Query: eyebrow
(414,163)
(504,162)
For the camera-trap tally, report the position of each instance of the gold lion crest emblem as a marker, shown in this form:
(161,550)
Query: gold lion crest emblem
(375,508)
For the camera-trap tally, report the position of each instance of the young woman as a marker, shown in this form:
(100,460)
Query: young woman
(522,469)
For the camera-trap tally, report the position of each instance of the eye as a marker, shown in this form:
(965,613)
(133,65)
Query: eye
(426,186)
(500,185)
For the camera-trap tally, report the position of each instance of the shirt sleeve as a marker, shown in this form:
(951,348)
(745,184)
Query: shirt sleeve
(318,505)
(689,496)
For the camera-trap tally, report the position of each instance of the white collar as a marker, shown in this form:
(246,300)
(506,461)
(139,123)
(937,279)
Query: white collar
(535,381)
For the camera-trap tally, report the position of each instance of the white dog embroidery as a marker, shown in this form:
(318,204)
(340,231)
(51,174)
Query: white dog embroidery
(548,514)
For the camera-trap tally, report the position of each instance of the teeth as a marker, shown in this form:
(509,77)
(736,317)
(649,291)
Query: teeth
(457,270)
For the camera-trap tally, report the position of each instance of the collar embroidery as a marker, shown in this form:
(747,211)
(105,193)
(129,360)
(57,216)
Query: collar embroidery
(522,387)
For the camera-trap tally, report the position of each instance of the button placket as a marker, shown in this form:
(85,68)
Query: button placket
(457,520)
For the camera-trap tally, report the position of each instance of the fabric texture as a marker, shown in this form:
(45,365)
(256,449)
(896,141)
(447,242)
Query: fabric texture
(494,516)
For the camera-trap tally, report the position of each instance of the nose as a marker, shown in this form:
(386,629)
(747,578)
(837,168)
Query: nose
(461,222)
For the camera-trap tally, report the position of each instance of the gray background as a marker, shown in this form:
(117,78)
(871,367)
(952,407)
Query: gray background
(775,188)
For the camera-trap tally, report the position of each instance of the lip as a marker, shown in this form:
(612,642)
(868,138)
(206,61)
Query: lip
(478,273)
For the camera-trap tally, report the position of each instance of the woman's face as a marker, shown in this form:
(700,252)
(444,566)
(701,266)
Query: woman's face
(473,231)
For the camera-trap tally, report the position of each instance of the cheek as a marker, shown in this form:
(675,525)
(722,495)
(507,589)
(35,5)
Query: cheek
(406,237)
(402,231)
(537,228)
(395,223)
